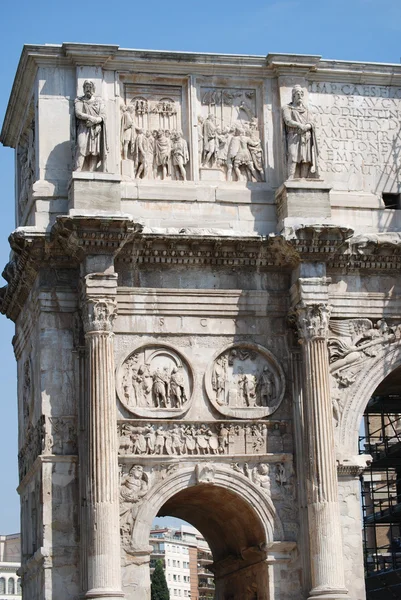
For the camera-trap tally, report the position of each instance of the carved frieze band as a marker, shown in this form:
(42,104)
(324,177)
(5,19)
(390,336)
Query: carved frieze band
(228,438)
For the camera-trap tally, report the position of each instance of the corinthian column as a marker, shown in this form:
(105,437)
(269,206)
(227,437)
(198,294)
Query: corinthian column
(100,516)
(326,551)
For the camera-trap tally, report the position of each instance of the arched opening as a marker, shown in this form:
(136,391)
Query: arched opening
(381,489)
(235,536)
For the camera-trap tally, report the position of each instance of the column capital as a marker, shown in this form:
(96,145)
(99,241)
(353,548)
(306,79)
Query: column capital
(99,314)
(312,320)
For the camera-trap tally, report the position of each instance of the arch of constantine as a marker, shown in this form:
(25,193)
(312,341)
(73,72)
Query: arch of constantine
(204,287)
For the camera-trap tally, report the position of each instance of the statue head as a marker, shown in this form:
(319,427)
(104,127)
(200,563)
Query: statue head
(136,471)
(297,94)
(89,88)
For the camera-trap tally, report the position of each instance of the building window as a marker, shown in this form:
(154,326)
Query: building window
(2,585)
(18,586)
(11,586)
(391,200)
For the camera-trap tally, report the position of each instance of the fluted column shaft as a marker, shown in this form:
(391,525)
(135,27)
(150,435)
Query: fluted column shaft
(326,551)
(101,511)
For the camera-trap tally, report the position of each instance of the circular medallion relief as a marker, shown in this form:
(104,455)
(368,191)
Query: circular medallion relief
(155,381)
(245,381)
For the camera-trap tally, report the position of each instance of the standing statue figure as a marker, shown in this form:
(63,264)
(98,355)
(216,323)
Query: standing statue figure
(180,155)
(162,152)
(127,130)
(209,139)
(302,149)
(141,154)
(91,145)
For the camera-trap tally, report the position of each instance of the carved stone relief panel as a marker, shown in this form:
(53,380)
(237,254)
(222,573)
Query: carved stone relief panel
(155,381)
(153,145)
(25,167)
(245,381)
(352,344)
(193,438)
(230,145)
(134,485)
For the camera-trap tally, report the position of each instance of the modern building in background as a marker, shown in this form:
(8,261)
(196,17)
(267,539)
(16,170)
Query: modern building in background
(10,561)
(185,556)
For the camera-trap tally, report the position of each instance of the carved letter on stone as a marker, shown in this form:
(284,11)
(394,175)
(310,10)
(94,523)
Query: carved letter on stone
(245,381)
(155,381)
(91,141)
(301,143)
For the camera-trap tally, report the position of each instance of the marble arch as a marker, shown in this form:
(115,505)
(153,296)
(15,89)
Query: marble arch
(209,204)
(375,371)
(236,517)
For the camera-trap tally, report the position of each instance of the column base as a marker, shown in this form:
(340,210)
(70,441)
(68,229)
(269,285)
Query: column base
(325,594)
(103,594)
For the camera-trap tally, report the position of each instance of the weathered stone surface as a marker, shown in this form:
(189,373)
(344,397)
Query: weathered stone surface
(204,284)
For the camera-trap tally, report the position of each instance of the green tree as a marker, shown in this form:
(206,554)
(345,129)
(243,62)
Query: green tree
(159,589)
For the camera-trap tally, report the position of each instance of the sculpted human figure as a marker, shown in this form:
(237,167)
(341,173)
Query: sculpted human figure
(209,139)
(239,155)
(265,387)
(133,488)
(300,137)
(247,387)
(160,383)
(177,390)
(127,130)
(180,155)
(219,378)
(256,151)
(141,154)
(261,476)
(163,152)
(91,145)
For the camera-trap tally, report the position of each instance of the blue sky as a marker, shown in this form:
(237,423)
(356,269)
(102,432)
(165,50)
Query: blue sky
(364,30)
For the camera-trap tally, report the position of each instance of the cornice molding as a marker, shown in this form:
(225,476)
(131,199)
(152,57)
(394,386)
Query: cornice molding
(73,238)
(179,63)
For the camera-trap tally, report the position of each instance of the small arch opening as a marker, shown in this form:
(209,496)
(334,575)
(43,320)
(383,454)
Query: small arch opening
(236,538)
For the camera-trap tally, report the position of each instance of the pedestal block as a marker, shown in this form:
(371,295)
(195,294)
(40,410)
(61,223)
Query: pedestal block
(93,192)
(300,200)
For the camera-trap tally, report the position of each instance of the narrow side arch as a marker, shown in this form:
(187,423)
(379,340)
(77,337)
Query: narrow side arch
(360,393)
